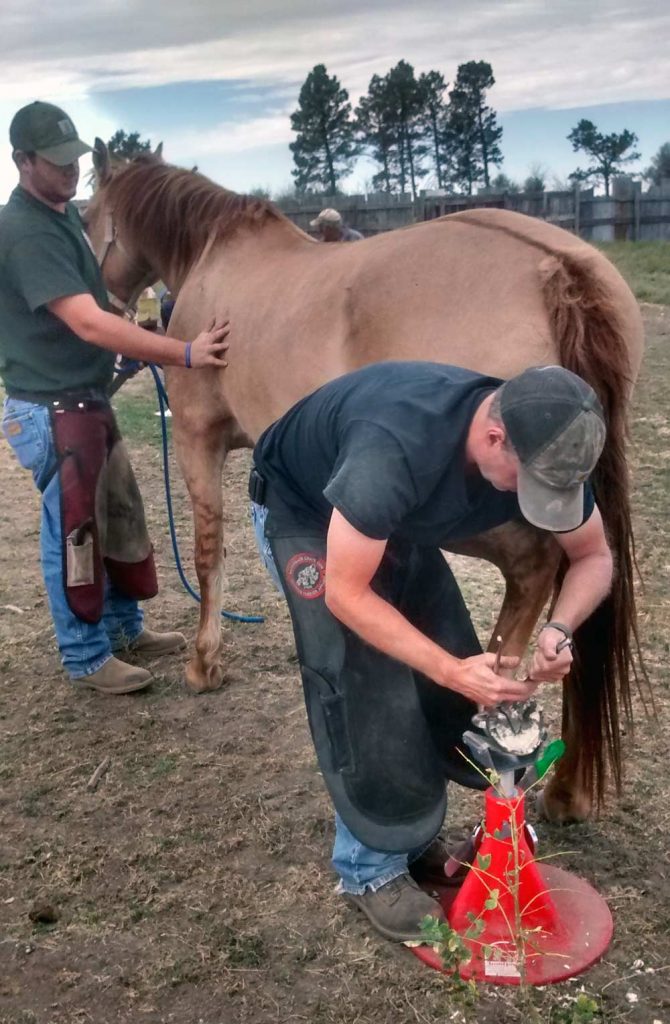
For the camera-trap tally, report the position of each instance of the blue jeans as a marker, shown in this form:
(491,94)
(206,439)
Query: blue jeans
(84,648)
(359,866)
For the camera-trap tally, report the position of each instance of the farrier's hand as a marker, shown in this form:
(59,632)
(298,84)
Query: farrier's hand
(210,346)
(548,665)
(475,679)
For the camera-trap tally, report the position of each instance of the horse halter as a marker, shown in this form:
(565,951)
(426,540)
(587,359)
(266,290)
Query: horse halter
(111,238)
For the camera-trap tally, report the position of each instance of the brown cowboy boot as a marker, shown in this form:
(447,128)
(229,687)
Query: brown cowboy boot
(115,677)
(152,644)
(397,909)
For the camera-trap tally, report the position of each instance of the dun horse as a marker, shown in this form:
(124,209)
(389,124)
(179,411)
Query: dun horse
(489,290)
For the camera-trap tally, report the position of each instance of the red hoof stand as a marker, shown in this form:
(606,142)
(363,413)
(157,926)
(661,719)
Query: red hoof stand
(557,927)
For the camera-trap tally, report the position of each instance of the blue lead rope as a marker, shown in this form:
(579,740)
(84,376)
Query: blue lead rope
(164,404)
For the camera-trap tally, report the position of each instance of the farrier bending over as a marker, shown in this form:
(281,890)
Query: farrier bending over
(58,342)
(355,490)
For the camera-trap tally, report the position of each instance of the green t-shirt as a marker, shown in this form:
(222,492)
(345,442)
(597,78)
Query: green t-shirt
(44,256)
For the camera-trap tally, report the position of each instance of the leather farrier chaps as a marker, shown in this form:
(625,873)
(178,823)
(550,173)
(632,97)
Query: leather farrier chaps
(103,527)
(386,737)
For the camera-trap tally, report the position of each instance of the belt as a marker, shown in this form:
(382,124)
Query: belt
(70,400)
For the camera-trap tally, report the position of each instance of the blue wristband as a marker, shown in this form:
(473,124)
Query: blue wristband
(187,355)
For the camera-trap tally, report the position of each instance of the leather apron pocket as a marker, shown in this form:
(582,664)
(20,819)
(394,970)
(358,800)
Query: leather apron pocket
(80,556)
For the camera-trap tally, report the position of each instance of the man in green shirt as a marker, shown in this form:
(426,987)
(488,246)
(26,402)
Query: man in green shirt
(58,343)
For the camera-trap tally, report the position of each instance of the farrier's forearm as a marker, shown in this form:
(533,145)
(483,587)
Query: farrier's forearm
(586,585)
(382,626)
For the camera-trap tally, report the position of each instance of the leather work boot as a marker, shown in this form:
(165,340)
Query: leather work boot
(397,909)
(154,644)
(442,865)
(115,677)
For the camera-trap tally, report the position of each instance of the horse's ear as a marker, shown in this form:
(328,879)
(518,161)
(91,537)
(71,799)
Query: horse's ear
(158,152)
(101,162)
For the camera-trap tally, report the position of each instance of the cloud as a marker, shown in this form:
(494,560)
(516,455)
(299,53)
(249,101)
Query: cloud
(234,137)
(562,54)
(101,60)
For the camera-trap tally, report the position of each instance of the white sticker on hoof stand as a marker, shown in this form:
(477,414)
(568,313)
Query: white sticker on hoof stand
(501,969)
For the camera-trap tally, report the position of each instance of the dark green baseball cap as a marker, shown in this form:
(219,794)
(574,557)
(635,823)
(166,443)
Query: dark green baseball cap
(556,426)
(48,131)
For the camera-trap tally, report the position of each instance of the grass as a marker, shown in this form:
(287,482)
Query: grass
(136,417)
(645,266)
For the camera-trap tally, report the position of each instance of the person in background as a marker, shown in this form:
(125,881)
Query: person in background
(167,305)
(58,343)
(148,310)
(331,228)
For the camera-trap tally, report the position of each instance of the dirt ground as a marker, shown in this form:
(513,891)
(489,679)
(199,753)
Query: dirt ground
(193,885)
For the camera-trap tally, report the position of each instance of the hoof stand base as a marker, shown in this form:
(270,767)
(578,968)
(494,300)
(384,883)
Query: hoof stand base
(567,926)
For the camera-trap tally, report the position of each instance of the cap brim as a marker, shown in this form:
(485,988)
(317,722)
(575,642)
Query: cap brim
(315,223)
(548,507)
(66,153)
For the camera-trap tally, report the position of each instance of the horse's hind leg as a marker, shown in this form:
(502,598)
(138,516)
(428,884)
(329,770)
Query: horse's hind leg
(201,454)
(529,560)
(566,797)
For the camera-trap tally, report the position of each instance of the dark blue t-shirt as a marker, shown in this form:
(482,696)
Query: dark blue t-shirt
(385,446)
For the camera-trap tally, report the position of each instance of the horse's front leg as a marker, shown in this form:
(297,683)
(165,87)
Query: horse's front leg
(529,560)
(201,454)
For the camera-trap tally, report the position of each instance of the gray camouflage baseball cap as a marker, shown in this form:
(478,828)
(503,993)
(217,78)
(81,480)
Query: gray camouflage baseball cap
(556,425)
(47,130)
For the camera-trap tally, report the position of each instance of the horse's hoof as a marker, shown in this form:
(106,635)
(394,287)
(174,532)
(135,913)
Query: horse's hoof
(199,680)
(561,812)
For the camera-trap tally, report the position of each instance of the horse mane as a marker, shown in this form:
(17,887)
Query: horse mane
(175,211)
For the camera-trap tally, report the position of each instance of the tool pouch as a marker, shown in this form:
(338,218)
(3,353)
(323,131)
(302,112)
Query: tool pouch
(80,556)
(102,518)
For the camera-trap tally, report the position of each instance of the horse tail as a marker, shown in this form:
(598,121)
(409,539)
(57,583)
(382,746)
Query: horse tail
(590,338)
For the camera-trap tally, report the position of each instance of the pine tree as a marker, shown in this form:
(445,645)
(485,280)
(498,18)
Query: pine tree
(472,125)
(607,152)
(124,146)
(325,146)
(461,142)
(536,180)
(501,183)
(433,87)
(376,132)
(406,105)
(390,124)
(659,167)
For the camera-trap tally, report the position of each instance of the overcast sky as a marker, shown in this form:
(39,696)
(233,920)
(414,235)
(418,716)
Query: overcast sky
(216,80)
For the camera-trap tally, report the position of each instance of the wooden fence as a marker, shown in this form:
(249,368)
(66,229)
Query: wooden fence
(627,215)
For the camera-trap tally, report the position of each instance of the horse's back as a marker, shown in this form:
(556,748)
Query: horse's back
(465,289)
(468,288)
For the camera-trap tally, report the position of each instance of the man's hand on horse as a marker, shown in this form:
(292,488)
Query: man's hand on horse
(210,346)
(475,679)
(550,665)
